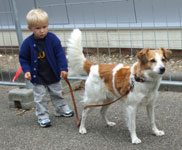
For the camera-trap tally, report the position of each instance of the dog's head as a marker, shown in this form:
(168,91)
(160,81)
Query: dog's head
(153,61)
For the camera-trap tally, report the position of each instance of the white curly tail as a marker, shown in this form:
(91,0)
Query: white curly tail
(76,58)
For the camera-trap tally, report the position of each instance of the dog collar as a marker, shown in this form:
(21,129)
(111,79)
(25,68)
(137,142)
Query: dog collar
(138,79)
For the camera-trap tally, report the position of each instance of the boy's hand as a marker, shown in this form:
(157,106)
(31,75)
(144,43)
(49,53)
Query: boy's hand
(64,74)
(28,76)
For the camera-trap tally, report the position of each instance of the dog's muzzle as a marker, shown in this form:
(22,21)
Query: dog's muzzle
(162,70)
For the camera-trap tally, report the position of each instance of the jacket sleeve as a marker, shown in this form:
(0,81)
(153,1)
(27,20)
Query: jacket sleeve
(60,55)
(24,57)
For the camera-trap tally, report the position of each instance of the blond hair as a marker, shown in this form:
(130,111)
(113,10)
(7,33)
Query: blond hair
(36,17)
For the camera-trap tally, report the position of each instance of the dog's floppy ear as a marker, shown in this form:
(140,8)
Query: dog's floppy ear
(166,53)
(142,55)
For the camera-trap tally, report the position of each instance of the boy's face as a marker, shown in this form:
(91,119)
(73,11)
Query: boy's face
(40,31)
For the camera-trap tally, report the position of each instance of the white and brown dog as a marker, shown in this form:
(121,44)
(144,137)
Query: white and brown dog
(137,84)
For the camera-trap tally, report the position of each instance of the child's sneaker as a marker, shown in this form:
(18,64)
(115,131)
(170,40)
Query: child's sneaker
(44,123)
(68,113)
(63,111)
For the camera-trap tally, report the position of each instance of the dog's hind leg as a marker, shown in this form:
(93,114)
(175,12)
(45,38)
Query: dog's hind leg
(151,115)
(82,128)
(103,114)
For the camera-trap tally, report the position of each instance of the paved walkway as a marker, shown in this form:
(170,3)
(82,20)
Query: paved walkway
(23,133)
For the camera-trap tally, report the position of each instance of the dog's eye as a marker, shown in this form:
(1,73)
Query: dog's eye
(164,60)
(152,61)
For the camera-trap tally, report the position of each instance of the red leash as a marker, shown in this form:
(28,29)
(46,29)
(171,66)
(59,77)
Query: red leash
(74,104)
(17,74)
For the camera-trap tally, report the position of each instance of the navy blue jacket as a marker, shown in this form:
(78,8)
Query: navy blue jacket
(53,51)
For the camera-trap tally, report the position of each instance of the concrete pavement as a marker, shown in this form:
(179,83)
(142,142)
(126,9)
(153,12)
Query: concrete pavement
(23,133)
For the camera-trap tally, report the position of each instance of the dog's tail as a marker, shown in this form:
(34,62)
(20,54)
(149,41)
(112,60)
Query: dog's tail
(76,58)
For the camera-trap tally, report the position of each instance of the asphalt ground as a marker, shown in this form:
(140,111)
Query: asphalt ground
(20,131)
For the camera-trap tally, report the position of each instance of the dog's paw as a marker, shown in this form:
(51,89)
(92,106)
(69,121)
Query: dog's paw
(159,133)
(136,141)
(111,124)
(82,131)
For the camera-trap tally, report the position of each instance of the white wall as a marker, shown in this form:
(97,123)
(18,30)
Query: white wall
(123,38)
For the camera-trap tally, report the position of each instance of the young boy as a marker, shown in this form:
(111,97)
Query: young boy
(44,63)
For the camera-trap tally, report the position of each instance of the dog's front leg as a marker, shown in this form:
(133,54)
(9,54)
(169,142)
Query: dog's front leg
(151,115)
(131,112)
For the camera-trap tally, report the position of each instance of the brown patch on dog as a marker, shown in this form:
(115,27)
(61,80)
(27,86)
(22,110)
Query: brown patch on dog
(142,56)
(105,72)
(87,66)
(122,82)
(143,62)
(166,53)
